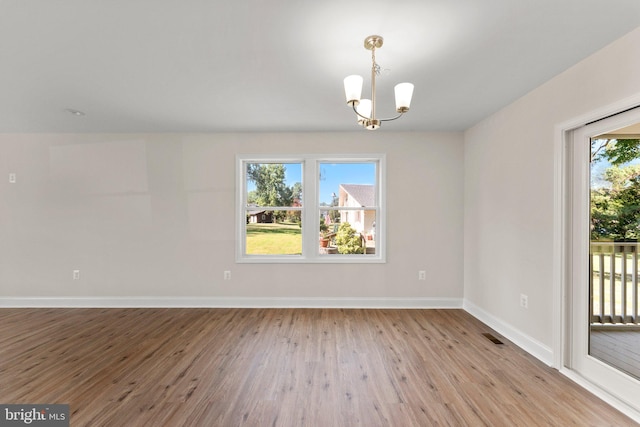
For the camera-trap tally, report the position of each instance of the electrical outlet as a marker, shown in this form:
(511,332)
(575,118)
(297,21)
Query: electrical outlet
(524,301)
(12,178)
(422,275)
(76,274)
(227,275)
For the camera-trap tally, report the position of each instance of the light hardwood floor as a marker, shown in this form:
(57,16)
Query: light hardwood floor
(282,367)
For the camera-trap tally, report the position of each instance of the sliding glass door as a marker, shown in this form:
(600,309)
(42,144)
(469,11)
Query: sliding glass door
(605,293)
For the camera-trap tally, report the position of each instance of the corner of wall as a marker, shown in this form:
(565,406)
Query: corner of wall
(522,340)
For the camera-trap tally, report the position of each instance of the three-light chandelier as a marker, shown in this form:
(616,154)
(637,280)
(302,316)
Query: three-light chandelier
(365,109)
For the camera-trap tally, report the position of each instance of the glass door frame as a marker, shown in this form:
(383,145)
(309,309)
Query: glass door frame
(615,382)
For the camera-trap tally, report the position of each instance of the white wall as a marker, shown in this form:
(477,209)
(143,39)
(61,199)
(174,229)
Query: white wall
(153,215)
(509,187)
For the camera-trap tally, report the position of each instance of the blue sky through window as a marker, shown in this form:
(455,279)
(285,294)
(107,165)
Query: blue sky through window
(334,174)
(331,176)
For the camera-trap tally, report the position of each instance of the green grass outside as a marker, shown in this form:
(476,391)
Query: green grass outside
(274,239)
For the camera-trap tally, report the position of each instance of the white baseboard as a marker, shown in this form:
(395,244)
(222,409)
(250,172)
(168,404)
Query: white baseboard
(522,340)
(239,302)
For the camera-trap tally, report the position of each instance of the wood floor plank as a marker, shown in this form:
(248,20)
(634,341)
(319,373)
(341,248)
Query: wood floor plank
(282,367)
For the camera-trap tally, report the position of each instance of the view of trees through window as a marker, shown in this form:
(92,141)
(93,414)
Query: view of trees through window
(345,208)
(274,208)
(615,189)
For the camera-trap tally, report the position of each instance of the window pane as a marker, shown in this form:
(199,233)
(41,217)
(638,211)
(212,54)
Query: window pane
(273,237)
(274,198)
(348,184)
(273,184)
(344,237)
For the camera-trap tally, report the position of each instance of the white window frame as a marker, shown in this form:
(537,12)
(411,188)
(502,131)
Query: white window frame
(311,208)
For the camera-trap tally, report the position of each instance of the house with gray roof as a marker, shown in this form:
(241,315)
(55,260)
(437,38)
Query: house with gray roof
(358,196)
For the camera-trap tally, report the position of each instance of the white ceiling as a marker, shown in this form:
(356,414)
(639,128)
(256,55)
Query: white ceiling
(255,65)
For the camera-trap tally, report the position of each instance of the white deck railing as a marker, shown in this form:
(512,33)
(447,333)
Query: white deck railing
(614,283)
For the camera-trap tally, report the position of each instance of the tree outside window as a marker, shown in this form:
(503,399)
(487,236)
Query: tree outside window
(292,208)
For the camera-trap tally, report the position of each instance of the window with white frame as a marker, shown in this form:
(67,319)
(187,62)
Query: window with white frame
(310,208)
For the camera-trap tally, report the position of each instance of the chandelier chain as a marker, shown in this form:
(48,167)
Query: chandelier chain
(376,67)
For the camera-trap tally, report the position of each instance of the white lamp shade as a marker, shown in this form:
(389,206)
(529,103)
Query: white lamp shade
(353,88)
(364,108)
(404,92)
